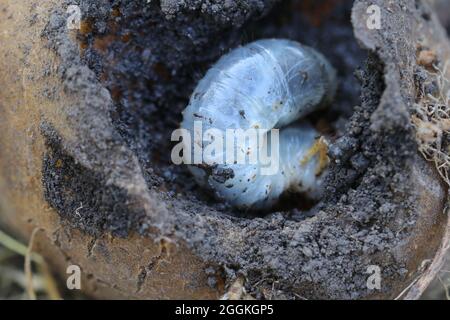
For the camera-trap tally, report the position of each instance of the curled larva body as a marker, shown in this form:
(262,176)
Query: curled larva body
(265,84)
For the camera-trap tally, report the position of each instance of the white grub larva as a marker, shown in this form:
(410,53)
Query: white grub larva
(265,84)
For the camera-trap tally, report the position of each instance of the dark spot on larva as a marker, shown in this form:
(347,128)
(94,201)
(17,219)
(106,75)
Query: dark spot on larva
(230,186)
(197,115)
(245,190)
(198,95)
(242,113)
(222,174)
(305,76)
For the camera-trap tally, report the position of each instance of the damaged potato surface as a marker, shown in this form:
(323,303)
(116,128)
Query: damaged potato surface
(86,120)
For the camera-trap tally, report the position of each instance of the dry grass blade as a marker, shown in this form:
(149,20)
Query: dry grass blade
(431,119)
(28,271)
(25,277)
(446,287)
(50,283)
(15,246)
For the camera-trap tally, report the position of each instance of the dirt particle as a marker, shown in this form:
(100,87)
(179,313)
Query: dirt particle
(427,58)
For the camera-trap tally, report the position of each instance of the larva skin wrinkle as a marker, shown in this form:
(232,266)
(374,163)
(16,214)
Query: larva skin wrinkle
(266,84)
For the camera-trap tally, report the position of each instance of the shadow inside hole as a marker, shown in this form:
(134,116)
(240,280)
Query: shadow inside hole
(151,68)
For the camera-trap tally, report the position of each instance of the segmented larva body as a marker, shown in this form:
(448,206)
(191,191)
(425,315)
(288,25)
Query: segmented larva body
(265,84)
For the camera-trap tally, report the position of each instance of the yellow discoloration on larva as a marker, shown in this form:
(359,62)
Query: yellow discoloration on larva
(320,148)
